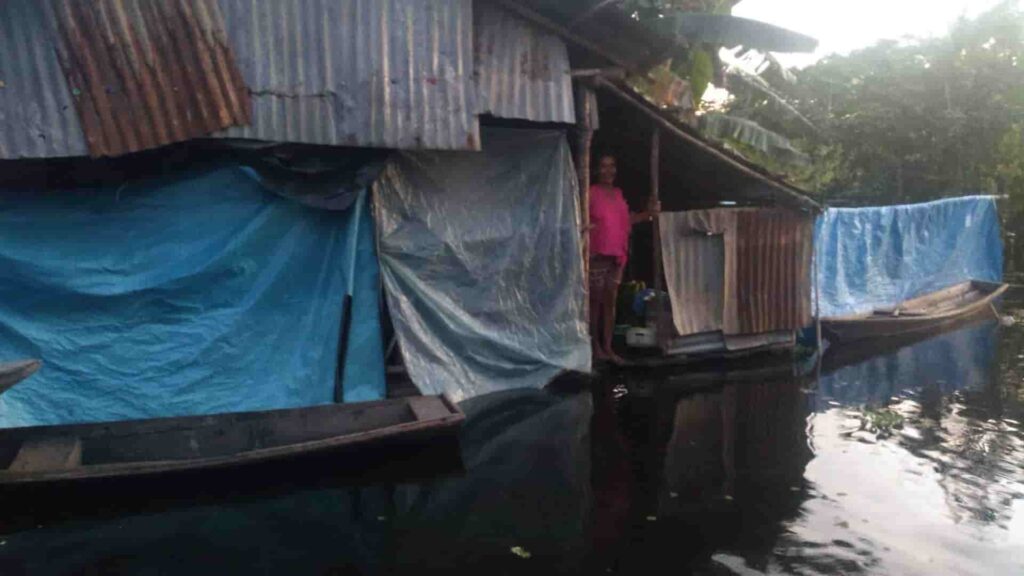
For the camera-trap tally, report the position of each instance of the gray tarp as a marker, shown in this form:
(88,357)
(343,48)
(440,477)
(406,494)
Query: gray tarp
(480,254)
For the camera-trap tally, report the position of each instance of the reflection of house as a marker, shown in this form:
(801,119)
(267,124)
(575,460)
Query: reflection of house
(421,141)
(749,433)
(736,457)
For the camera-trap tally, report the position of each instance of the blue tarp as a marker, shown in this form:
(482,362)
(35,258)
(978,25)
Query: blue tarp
(877,257)
(199,293)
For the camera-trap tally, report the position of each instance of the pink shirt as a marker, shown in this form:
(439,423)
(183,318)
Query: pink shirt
(609,216)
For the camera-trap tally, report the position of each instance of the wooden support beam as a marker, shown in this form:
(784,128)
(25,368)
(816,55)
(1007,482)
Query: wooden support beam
(817,302)
(611,73)
(660,332)
(585,102)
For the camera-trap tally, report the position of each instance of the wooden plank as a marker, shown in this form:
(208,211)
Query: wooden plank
(661,328)
(58,453)
(584,137)
(13,372)
(427,408)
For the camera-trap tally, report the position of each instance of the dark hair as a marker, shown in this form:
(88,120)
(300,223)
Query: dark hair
(606,154)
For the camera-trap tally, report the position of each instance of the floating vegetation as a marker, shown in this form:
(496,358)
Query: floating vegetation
(880,422)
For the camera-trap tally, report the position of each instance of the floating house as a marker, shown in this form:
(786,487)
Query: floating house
(230,205)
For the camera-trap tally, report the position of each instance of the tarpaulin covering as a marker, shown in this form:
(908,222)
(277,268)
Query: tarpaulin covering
(697,248)
(738,271)
(481,261)
(196,293)
(878,257)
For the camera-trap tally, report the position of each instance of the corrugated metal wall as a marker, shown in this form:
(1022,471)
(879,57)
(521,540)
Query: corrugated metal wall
(773,270)
(763,269)
(522,71)
(144,74)
(37,114)
(370,73)
(374,73)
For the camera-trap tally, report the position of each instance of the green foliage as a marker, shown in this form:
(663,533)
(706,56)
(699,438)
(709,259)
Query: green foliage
(881,421)
(909,121)
(741,132)
(698,66)
(700,69)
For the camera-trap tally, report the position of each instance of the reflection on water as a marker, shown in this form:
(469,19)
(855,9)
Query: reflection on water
(905,460)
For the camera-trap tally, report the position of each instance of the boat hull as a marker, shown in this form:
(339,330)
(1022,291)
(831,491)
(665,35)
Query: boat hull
(138,448)
(390,444)
(946,313)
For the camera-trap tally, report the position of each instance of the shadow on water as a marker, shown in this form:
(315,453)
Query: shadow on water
(904,460)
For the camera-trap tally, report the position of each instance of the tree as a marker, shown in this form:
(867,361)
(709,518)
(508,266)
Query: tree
(913,120)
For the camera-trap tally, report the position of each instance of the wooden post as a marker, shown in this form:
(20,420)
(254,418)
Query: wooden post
(584,135)
(817,276)
(817,296)
(655,196)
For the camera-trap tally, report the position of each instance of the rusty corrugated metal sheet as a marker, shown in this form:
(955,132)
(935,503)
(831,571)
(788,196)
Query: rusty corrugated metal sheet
(773,270)
(145,73)
(522,71)
(373,73)
(37,115)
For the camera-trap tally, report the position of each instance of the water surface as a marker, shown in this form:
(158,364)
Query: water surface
(906,462)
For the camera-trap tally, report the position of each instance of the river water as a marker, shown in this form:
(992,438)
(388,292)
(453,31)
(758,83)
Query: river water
(908,461)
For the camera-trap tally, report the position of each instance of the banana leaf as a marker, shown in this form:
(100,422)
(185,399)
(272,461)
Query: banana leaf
(731,31)
(727,128)
(754,81)
(701,72)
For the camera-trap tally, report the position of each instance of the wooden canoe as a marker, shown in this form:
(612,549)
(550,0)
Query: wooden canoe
(13,372)
(924,313)
(162,446)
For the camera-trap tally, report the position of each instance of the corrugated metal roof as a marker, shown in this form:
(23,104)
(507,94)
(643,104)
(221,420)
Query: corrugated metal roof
(609,33)
(375,73)
(371,73)
(37,114)
(147,73)
(522,71)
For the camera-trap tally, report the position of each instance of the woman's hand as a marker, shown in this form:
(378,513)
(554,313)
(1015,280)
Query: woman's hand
(653,209)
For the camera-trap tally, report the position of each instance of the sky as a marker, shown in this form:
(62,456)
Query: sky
(844,25)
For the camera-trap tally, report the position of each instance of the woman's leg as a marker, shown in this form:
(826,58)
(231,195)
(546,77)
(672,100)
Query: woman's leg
(610,295)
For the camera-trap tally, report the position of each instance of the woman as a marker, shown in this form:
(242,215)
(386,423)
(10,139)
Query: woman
(610,225)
